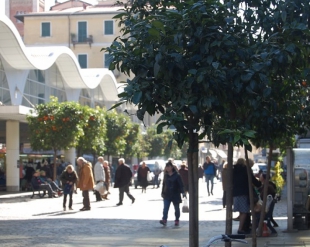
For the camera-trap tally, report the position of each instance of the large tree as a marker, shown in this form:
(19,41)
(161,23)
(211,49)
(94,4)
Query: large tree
(55,126)
(204,62)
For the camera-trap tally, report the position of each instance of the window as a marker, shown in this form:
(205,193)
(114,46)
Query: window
(83,60)
(82,31)
(45,29)
(108,27)
(107,60)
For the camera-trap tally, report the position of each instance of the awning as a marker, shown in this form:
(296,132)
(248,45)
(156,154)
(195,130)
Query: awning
(221,153)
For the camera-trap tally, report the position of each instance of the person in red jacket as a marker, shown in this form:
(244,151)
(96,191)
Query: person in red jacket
(184,175)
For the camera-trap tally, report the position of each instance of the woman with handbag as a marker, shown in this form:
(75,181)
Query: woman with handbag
(143,173)
(68,178)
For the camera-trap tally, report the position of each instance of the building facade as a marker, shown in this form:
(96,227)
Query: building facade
(29,76)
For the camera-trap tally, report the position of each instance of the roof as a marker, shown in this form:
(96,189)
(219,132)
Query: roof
(18,56)
(92,10)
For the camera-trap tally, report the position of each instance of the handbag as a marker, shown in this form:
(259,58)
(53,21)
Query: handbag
(148,176)
(100,187)
(185,208)
(258,206)
(67,189)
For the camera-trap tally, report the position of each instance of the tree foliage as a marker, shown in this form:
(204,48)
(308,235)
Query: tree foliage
(94,131)
(117,131)
(56,126)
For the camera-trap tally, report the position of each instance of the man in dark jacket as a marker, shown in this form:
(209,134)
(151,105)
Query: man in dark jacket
(123,175)
(184,175)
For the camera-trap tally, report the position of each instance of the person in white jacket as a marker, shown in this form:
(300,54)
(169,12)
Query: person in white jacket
(99,175)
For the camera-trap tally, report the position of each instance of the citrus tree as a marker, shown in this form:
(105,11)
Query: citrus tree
(94,132)
(55,126)
(133,147)
(117,131)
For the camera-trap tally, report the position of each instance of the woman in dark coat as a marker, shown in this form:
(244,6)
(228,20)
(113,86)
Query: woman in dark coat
(68,178)
(241,192)
(142,176)
(171,192)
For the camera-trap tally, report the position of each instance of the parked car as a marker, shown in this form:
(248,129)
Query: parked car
(152,165)
(260,166)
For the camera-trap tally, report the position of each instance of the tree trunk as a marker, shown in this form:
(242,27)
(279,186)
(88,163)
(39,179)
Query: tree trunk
(229,194)
(192,159)
(55,166)
(262,213)
(251,196)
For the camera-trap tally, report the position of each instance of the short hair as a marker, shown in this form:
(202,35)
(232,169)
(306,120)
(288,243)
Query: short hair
(121,160)
(106,162)
(82,158)
(100,157)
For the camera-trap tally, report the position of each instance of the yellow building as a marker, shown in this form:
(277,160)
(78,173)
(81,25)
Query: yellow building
(84,28)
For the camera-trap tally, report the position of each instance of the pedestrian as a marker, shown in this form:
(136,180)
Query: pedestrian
(107,174)
(45,180)
(46,167)
(99,176)
(184,175)
(143,171)
(220,169)
(210,172)
(86,181)
(224,177)
(272,190)
(37,184)
(241,193)
(68,178)
(157,172)
(171,193)
(123,175)
(200,172)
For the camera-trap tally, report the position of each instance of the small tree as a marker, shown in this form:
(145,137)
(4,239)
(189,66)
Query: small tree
(56,126)
(132,147)
(94,132)
(117,131)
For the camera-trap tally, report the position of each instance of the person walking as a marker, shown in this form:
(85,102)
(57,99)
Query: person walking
(241,193)
(107,174)
(99,176)
(142,176)
(86,181)
(123,175)
(210,172)
(184,175)
(157,172)
(68,178)
(224,177)
(171,192)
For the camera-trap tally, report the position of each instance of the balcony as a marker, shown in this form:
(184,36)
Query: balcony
(81,39)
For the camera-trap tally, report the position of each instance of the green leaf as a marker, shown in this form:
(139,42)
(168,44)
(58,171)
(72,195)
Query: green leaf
(250,133)
(215,65)
(192,71)
(156,69)
(160,127)
(154,32)
(283,15)
(136,97)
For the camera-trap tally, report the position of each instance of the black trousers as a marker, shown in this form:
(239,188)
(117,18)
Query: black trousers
(70,199)
(122,190)
(86,202)
(98,196)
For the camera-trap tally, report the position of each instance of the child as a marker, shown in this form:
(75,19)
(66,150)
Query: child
(68,179)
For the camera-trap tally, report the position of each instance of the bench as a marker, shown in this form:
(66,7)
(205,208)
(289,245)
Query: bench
(41,193)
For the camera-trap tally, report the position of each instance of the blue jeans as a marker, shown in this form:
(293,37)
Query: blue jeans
(209,178)
(156,182)
(166,209)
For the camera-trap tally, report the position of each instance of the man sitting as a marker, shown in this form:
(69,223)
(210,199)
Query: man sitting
(37,184)
(46,180)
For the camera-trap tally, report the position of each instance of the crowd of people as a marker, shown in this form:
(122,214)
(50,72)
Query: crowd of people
(175,185)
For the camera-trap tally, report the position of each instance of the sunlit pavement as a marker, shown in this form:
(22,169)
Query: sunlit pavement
(37,222)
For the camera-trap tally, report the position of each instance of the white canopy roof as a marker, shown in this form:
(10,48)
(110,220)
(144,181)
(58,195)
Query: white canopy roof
(18,56)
